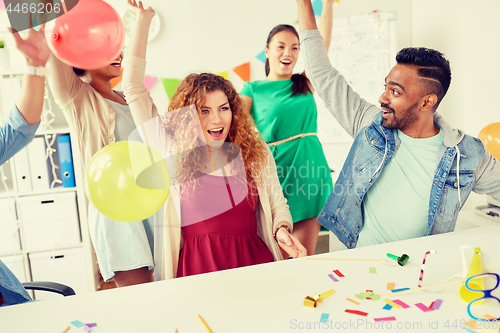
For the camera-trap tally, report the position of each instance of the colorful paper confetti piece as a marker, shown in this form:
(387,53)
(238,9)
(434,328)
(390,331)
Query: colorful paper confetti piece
(430,306)
(384,319)
(488,316)
(91,324)
(86,328)
(375,297)
(400,289)
(388,301)
(77,323)
(338,273)
(387,307)
(360,313)
(390,286)
(373,270)
(351,300)
(423,307)
(324,318)
(437,304)
(333,278)
(403,304)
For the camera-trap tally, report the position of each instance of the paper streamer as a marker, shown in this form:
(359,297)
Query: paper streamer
(388,301)
(437,304)
(338,273)
(398,290)
(262,56)
(403,304)
(223,74)
(149,81)
(351,300)
(423,307)
(324,318)
(387,307)
(333,278)
(243,71)
(385,319)
(360,313)
(170,86)
(373,270)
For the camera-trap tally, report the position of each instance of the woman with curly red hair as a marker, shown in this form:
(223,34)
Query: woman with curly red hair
(227,208)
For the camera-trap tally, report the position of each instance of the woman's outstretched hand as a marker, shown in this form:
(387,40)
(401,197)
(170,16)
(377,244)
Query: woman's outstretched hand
(290,244)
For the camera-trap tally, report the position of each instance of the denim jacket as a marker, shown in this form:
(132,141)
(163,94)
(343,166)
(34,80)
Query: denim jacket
(374,146)
(11,290)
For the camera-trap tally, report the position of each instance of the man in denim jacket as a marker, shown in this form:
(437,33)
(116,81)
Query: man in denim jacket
(19,130)
(400,178)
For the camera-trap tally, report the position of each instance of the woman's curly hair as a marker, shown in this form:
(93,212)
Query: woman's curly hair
(191,92)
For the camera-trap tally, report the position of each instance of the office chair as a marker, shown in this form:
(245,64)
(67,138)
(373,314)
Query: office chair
(50,286)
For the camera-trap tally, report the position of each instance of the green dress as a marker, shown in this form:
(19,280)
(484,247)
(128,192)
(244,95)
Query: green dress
(302,168)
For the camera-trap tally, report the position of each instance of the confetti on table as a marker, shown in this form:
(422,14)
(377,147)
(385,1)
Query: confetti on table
(360,313)
(205,324)
(437,304)
(432,304)
(351,300)
(91,324)
(385,319)
(338,273)
(388,301)
(324,318)
(390,286)
(423,307)
(398,290)
(375,297)
(66,329)
(77,323)
(373,270)
(86,328)
(387,307)
(488,316)
(333,278)
(403,304)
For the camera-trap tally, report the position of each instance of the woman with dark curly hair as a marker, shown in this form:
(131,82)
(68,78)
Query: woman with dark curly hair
(227,208)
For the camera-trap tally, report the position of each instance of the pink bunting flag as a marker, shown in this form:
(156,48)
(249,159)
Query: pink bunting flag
(149,81)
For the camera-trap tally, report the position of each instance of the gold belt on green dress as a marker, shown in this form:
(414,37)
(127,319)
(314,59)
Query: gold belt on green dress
(291,138)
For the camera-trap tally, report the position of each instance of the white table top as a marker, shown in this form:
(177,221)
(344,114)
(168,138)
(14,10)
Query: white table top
(269,297)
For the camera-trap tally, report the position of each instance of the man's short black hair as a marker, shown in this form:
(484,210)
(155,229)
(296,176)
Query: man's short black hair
(431,65)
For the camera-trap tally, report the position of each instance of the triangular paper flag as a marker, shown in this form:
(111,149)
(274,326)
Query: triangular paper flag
(317,7)
(116,80)
(149,81)
(262,56)
(243,71)
(223,74)
(170,86)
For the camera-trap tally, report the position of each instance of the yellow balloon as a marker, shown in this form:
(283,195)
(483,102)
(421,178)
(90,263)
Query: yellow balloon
(127,181)
(490,135)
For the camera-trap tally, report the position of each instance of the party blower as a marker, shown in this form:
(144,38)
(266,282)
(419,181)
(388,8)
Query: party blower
(475,268)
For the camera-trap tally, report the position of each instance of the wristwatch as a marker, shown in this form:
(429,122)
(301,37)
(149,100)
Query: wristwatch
(37,71)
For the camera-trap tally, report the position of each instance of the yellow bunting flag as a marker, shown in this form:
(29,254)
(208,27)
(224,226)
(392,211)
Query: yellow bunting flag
(223,74)
(170,86)
(243,71)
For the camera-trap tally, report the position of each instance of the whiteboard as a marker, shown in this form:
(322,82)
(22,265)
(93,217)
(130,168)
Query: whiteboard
(362,49)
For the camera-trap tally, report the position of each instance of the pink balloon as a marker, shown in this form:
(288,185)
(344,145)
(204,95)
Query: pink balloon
(88,37)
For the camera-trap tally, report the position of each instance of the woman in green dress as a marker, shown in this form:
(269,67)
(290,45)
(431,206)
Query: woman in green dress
(284,111)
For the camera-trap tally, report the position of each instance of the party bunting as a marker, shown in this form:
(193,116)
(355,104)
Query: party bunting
(243,71)
(149,81)
(223,74)
(170,86)
(262,56)
(116,80)
(317,7)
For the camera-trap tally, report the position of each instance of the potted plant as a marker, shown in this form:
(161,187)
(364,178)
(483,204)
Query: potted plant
(4,55)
